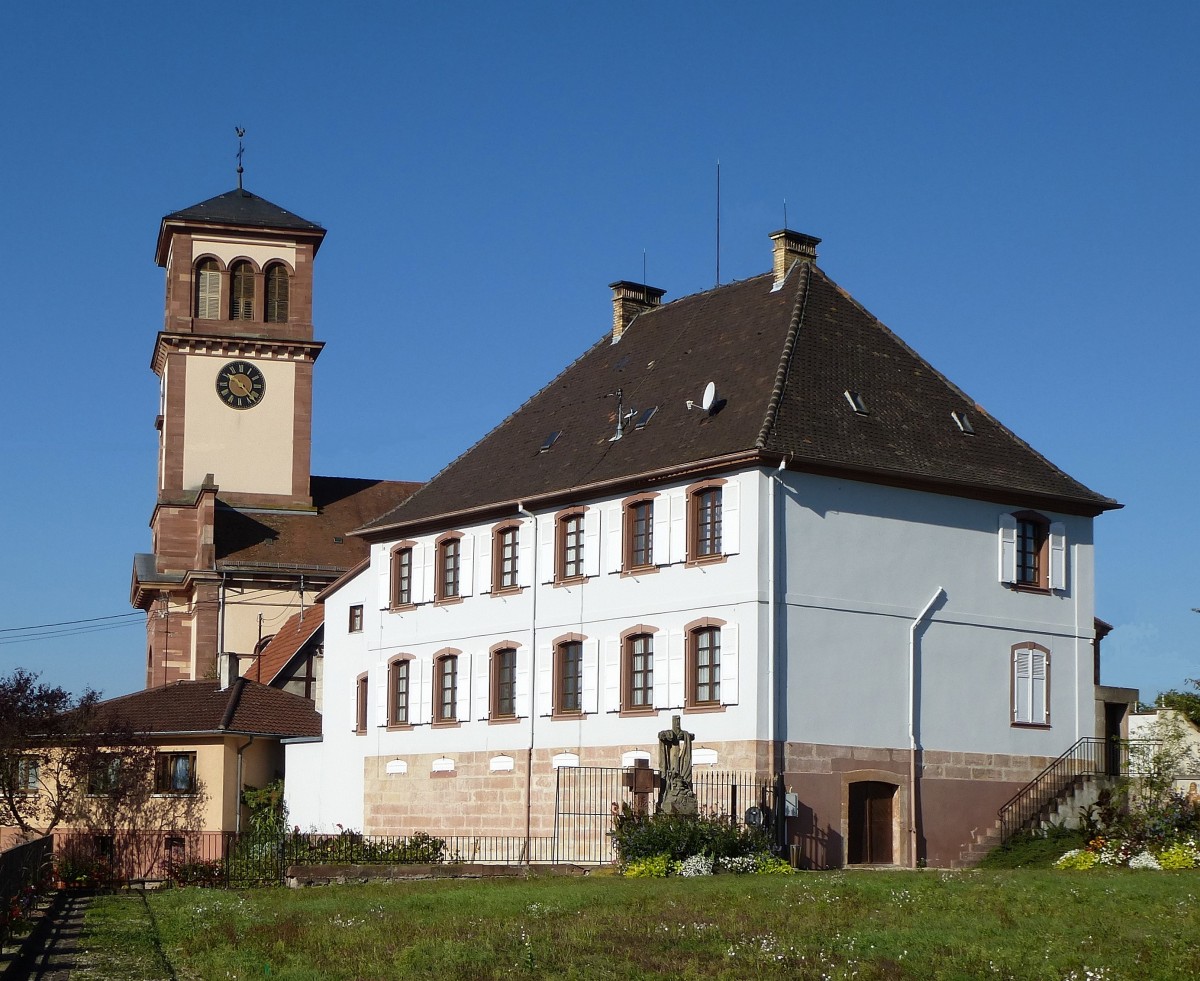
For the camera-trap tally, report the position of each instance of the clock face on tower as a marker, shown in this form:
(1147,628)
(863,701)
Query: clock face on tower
(240,385)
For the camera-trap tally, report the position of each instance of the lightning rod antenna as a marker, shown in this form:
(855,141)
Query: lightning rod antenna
(718,221)
(241,149)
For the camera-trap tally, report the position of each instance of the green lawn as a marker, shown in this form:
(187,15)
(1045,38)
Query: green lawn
(1115,924)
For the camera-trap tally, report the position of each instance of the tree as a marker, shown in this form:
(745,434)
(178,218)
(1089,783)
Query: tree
(1186,703)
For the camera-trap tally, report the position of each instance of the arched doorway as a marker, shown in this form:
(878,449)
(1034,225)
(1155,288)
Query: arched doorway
(870,829)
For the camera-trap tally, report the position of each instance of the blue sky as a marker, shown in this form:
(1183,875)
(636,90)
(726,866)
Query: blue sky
(1011,187)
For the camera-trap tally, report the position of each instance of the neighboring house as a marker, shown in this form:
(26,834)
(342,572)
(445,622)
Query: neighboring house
(292,659)
(1154,725)
(756,508)
(242,535)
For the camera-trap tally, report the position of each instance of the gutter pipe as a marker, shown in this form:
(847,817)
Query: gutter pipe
(532,683)
(912,731)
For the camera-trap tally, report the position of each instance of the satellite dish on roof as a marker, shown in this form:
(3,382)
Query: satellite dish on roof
(709,396)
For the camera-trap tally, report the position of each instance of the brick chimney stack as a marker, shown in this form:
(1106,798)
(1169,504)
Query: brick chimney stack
(630,299)
(790,248)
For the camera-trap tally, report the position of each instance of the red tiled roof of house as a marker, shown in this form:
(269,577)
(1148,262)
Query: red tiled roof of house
(782,360)
(281,648)
(193,707)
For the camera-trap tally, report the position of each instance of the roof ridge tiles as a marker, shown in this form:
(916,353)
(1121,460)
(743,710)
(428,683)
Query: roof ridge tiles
(785,359)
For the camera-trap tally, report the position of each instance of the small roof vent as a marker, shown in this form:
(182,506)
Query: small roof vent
(856,402)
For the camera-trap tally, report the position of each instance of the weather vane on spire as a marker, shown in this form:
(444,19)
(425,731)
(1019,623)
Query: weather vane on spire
(241,149)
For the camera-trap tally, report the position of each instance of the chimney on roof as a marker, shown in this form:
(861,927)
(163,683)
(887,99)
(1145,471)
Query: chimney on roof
(790,248)
(630,299)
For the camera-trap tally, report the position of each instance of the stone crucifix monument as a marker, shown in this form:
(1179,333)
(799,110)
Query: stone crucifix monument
(675,762)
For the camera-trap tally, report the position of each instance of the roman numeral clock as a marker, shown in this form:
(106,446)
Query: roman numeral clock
(240,385)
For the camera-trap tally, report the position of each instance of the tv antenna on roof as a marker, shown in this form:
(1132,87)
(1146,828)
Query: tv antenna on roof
(241,131)
(622,416)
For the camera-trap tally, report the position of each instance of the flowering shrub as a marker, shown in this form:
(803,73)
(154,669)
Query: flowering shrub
(654,867)
(740,864)
(767,864)
(1078,859)
(693,865)
(1181,855)
(1144,860)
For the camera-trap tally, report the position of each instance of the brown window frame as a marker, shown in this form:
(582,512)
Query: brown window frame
(401,583)
(702,531)
(443,663)
(242,290)
(629,674)
(164,783)
(637,556)
(360,703)
(355,625)
(693,685)
(498,683)
(399,711)
(506,565)
(26,774)
(569,560)
(571,646)
(447,575)
(275,305)
(1033,551)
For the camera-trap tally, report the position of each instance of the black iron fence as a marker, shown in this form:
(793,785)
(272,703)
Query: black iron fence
(24,871)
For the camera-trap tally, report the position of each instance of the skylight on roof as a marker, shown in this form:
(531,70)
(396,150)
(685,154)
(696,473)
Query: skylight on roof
(963,422)
(644,417)
(856,402)
(550,441)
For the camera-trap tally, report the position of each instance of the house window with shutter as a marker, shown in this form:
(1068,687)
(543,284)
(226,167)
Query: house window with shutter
(208,290)
(638,673)
(505,554)
(241,291)
(568,678)
(449,552)
(360,704)
(704,666)
(639,535)
(398,691)
(1033,552)
(569,546)
(277,294)
(705,520)
(445,696)
(504,683)
(402,576)
(1030,685)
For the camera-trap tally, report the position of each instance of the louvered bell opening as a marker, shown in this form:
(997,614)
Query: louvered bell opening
(241,289)
(277,295)
(208,290)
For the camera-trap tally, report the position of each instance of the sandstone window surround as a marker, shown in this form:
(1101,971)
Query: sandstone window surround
(1033,552)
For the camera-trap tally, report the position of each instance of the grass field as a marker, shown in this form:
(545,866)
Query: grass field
(864,925)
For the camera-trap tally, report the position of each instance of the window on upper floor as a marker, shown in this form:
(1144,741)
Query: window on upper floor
(637,673)
(104,775)
(568,678)
(704,522)
(703,666)
(449,552)
(398,691)
(356,618)
(24,775)
(208,290)
(175,773)
(1030,685)
(505,553)
(445,696)
(504,683)
(277,283)
(402,576)
(639,535)
(241,291)
(360,704)
(569,546)
(1033,551)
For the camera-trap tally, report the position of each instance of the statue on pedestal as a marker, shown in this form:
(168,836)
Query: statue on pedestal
(675,761)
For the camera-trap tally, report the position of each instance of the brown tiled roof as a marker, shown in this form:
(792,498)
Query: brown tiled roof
(281,648)
(782,361)
(286,540)
(245,707)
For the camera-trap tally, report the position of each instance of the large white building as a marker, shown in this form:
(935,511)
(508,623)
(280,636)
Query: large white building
(758,509)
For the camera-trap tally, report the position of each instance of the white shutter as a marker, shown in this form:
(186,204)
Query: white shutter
(675,669)
(485,562)
(462,692)
(378,676)
(549,528)
(523,708)
(729,664)
(731,517)
(1008,548)
(421,592)
(1021,686)
(612,518)
(466,565)
(591,675)
(1038,689)
(384,576)
(662,530)
(612,675)
(482,685)
(591,542)
(679,510)
(1058,555)
(525,556)
(428,683)
(659,644)
(545,680)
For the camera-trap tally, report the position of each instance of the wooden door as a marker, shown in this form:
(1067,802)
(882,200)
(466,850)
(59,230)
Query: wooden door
(870,831)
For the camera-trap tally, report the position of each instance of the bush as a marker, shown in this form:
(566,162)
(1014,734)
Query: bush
(693,866)
(198,873)
(653,867)
(1077,859)
(642,836)
(1181,855)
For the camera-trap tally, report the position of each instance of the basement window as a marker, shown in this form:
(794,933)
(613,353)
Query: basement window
(856,402)
(963,422)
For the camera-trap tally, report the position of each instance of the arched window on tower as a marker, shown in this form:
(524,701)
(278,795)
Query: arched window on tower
(277,294)
(241,291)
(208,290)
